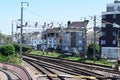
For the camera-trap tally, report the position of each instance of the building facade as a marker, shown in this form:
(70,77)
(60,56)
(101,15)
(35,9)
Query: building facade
(73,38)
(109,31)
(53,38)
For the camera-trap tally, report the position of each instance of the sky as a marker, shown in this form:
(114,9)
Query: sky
(56,11)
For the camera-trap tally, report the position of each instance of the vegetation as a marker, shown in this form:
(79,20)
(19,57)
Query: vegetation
(4,39)
(102,62)
(13,58)
(24,48)
(61,56)
(7,50)
(7,54)
(90,51)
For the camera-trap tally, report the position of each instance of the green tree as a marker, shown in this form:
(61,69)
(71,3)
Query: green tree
(90,50)
(17,46)
(24,47)
(7,50)
(4,38)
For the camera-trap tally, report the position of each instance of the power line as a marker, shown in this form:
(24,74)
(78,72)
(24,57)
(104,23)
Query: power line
(39,15)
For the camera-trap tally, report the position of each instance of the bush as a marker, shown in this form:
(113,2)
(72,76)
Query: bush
(2,50)
(17,47)
(24,48)
(7,50)
(90,50)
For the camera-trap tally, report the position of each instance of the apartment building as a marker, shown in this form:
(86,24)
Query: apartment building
(110,28)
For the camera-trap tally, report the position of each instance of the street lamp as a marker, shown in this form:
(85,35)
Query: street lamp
(21,28)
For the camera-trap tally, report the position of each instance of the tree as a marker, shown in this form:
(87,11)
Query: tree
(90,50)
(24,47)
(7,50)
(4,38)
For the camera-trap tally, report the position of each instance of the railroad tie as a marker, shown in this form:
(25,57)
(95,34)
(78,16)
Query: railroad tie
(52,75)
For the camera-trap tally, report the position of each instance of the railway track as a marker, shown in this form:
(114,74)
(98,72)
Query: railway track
(45,71)
(5,75)
(79,64)
(9,75)
(14,72)
(62,66)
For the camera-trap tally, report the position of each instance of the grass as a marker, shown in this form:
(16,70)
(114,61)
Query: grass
(3,58)
(50,54)
(14,58)
(102,62)
(56,55)
(61,56)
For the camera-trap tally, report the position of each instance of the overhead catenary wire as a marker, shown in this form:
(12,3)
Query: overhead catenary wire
(33,12)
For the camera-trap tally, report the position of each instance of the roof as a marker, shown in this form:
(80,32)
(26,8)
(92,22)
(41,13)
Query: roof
(73,27)
(78,24)
(52,30)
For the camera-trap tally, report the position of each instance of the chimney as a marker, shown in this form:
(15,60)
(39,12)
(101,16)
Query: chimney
(68,23)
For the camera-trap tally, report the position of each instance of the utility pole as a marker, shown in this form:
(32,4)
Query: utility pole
(0,39)
(12,33)
(94,45)
(43,36)
(21,28)
(85,45)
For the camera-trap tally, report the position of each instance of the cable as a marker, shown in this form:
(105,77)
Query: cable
(39,15)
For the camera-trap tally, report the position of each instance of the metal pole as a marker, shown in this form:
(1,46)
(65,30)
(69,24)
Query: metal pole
(47,42)
(85,45)
(21,29)
(94,45)
(43,36)
(12,32)
(118,46)
(0,39)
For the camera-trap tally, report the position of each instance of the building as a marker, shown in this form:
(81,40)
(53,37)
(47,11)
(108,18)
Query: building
(90,36)
(110,24)
(73,37)
(53,38)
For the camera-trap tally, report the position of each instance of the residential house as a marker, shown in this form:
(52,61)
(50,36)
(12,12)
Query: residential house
(73,38)
(52,36)
(32,39)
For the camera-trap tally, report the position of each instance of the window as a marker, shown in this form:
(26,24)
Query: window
(103,16)
(66,48)
(114,16)
(80,41)
(114,42)
(103,25)
(110,9)
(114,33)
(50,41)
(118,8)
(80,34)
(80,48)
(54,41)
(103,42)
(103,33)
